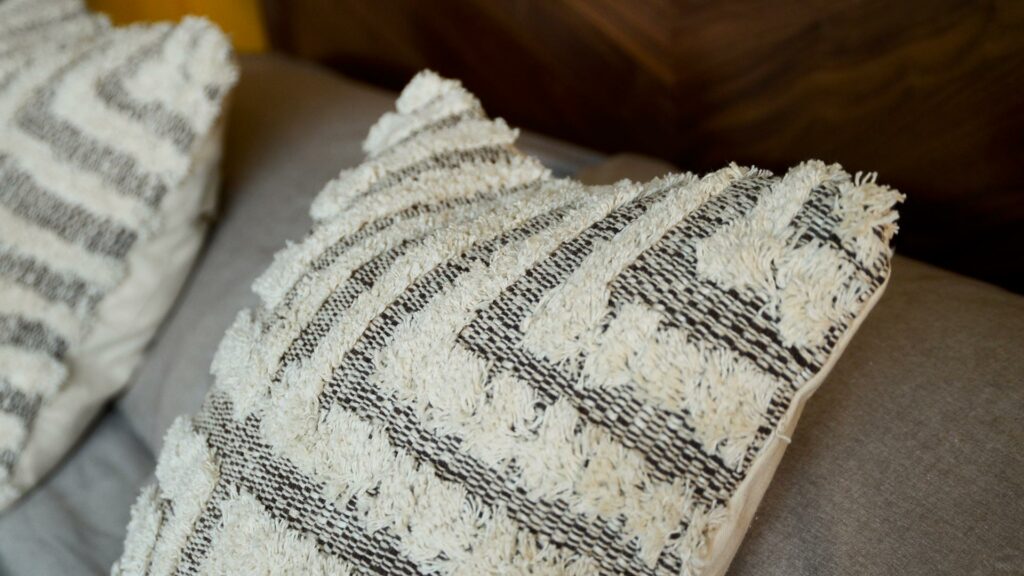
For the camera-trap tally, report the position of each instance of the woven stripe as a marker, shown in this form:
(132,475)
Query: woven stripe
(20,194)
(32,336)
(40,22)
(54,286)
(196,548)
(443,161)
(17,402)
(449,121)
(379,222)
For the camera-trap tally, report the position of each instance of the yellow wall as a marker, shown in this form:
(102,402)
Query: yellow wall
(240,19)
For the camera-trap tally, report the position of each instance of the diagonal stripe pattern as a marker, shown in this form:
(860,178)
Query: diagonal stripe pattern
(81,183)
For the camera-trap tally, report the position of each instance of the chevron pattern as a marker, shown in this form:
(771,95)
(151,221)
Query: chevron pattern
(97,125)
(472,367)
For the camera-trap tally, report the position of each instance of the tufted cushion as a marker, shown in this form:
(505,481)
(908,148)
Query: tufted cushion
(470,366)
(109,145)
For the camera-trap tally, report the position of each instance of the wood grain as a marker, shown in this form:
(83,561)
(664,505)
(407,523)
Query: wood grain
(930,94)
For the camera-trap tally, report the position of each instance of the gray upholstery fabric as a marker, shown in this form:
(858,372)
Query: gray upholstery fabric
(74,521)
(910,457)
(907,460)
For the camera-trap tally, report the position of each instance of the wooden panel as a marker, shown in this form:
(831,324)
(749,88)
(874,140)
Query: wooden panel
(926,92)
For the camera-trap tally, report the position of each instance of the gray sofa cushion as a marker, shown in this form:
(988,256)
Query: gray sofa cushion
(73,522)
(909,459)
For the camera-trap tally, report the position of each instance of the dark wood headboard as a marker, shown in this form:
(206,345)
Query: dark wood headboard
(929,93)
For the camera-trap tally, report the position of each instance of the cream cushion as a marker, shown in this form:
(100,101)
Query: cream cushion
(109,153)
(470,366)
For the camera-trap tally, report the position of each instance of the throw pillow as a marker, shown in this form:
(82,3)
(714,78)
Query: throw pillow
(109,147)
(472,367)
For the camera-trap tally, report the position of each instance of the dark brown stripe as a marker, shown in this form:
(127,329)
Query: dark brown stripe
(817,221)
(450,121)
(381,224)
(77,294)
(71,145)
(8,458)
(38,27)
(31,335)
(341,299)
(446,160)
(18,402)
(20,194)
(204,529)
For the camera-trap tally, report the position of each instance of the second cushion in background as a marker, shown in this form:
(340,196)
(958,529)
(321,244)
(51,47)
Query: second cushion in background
(109,152)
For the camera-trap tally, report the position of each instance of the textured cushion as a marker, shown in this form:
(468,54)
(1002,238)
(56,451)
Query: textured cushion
(470,366)
(109,143)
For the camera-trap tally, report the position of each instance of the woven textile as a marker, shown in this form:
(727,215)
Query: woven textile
(471,367)
(97,126)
